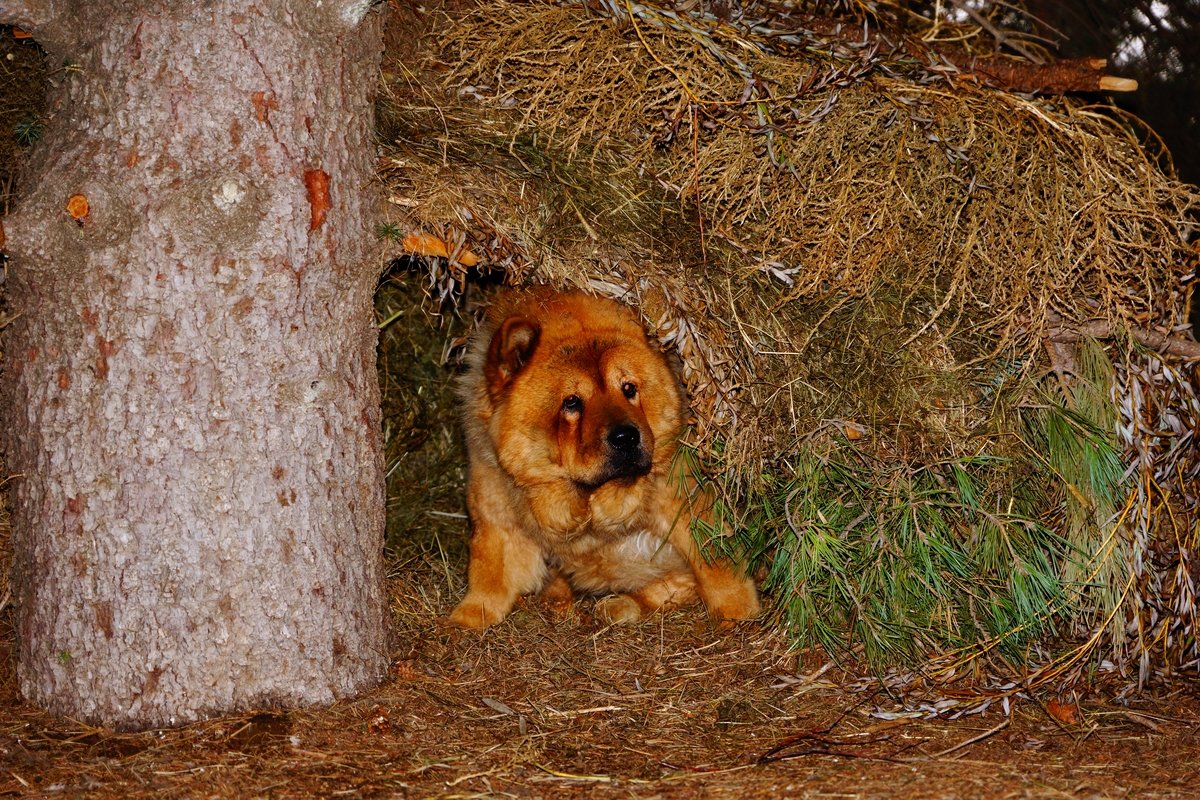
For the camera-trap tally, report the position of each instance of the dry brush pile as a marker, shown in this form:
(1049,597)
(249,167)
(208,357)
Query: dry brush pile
(930,329)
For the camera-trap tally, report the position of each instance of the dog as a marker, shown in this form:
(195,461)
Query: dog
(572,419)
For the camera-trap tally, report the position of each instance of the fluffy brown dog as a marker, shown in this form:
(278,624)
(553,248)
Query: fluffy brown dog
(572,420)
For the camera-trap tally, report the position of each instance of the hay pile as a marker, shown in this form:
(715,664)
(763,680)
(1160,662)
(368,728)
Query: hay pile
(917,317)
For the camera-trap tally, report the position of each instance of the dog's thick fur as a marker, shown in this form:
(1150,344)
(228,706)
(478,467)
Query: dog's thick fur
(572,420)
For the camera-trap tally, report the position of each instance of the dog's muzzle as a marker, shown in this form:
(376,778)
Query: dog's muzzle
(627,458)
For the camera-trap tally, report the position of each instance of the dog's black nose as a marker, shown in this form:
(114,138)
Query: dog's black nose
(624,438)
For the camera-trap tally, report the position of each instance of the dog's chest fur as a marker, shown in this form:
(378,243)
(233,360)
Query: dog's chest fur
(611,541)
(606,564)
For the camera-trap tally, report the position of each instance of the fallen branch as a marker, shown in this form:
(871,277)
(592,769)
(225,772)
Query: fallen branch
(821,743)
(973,740)
(997,71)
(1067,75)
(1100,329)
(806,31)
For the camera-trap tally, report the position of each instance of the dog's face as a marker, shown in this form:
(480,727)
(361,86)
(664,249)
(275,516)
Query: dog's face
(580,397)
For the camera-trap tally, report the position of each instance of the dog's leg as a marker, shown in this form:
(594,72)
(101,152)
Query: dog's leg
(727,591)
(670,591)
(504,565)
(557,596)
(505,562)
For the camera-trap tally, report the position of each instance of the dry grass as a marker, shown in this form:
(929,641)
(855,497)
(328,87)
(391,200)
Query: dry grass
(859,261)
(544,707)
(963,215)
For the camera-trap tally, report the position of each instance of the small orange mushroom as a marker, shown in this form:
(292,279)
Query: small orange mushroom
(852,431)
(1065,711)
(77,207)
(424,244)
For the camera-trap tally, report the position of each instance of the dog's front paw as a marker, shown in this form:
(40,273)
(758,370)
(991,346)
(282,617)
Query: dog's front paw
(736,601)
(476,612)
(618,609)
(557,597)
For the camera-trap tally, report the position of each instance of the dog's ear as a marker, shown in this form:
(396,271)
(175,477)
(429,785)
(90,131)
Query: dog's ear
(511,348)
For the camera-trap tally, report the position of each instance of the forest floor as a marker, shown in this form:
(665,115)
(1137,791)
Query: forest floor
(562,707)
(543,706)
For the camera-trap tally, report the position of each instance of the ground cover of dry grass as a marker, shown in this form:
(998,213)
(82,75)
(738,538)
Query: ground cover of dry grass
(549,707)
(543,706)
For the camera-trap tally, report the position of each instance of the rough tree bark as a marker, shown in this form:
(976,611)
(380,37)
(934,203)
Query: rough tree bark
(190,399)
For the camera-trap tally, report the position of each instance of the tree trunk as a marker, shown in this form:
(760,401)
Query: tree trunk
(190,399)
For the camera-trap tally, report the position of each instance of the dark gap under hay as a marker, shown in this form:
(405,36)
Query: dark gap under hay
(22,86)
(885,287)
(425,470)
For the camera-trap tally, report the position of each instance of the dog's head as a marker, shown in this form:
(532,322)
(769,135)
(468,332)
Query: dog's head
(581,395)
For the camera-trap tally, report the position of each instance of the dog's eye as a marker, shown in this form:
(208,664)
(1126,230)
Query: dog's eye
(629,389)
(572,405)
